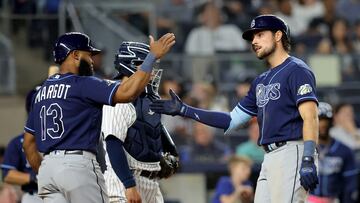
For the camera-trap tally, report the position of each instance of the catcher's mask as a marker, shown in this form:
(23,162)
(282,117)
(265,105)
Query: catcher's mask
(131,55)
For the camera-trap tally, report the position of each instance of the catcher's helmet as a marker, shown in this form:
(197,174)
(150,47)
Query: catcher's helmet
(266,22)
(129,56)
(72,41)
(325,110)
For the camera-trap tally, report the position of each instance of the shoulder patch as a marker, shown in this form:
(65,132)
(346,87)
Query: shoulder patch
(109,82)
(304,89)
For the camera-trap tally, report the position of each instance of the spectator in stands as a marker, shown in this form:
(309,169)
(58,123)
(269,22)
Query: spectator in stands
(289,15)
(179,127)
(337,169)
(17,171)
(342,44)
(340,37)
(241,89)
(348,9)
(309,41)
(266,7)
(236,187)
(170,82)
(325,22)
(213,36)
(250,148)
(205,148)
(345,129)
(324,47)
(308,10)
(356,40)
(237,13)
(175,16)
(208,97)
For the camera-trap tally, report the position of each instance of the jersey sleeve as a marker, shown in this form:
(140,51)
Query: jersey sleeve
(116,120)
(12,159)
(302,85)
(99,91)
(248,103)
(29,126)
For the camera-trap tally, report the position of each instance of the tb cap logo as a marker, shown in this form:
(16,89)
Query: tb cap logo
(252,25)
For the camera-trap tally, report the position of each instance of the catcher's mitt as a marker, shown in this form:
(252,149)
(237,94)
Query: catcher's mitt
(169,165)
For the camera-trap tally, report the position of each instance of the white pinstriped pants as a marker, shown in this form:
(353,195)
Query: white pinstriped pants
(149,189)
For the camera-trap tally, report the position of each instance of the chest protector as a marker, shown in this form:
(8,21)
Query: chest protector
(143,140)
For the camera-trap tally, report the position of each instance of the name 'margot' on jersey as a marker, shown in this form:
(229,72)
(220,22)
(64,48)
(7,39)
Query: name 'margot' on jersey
(58,91)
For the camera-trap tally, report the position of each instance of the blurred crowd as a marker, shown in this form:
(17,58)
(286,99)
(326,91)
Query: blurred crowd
(317,27)
(208,27)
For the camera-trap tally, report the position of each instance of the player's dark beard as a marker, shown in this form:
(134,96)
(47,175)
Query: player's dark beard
(266,52)
(85,68)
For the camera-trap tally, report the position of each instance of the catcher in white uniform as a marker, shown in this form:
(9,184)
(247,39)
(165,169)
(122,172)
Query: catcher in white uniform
(138,146)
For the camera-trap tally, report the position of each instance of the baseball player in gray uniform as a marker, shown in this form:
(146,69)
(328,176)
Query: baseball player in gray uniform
(284,101)
(139,149)
(65,121)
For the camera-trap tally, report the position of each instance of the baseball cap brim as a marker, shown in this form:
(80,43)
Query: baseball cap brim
(249,34)
(94,50)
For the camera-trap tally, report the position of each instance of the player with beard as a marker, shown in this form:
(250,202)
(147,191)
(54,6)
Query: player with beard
(337,169)
(284,101)
(65,121)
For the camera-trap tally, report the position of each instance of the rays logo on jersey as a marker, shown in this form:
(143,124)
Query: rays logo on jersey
(266,92)
(304,89)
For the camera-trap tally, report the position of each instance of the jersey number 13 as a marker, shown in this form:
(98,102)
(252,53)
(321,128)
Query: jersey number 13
(51,121)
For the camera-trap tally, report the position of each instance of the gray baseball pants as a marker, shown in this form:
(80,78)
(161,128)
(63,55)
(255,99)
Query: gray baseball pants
(71,178)
(279,179)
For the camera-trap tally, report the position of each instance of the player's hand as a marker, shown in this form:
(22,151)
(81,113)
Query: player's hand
(308,174)
(132,195)
(160,47)
(173,106)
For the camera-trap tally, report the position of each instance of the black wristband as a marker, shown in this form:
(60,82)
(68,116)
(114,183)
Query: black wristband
(33,177)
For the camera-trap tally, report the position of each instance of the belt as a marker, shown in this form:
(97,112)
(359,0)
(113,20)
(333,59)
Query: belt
(146,174)
(271,147)
(68,152)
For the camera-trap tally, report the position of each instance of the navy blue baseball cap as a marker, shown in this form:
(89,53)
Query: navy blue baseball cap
(325,110)
(72,41)
(266,22)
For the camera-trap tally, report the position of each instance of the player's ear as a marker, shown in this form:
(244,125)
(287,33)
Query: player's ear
(75,54)
(278,35)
